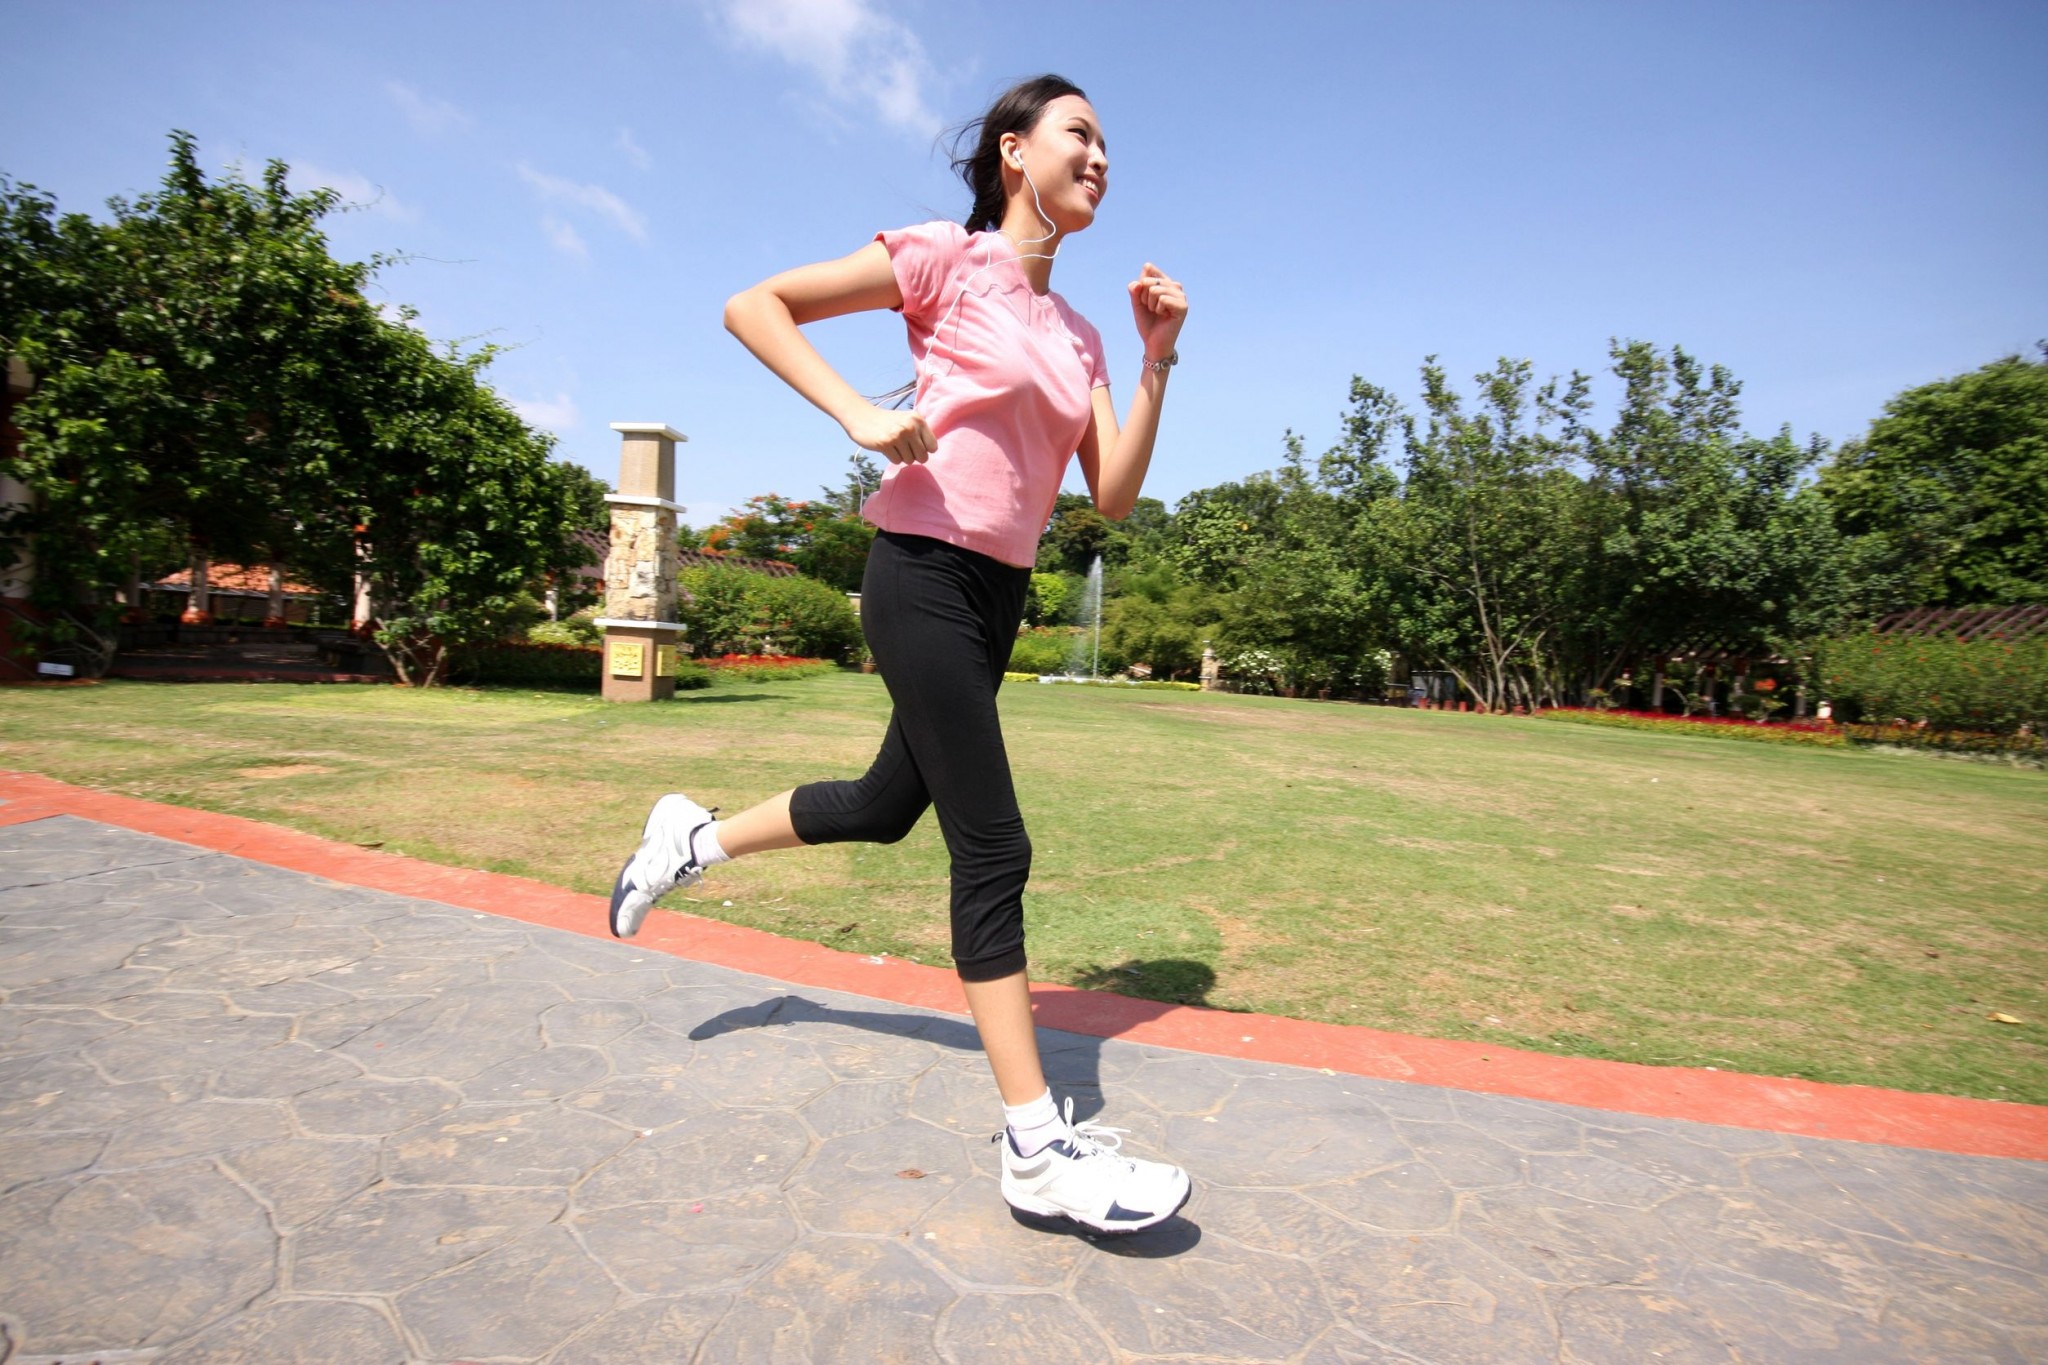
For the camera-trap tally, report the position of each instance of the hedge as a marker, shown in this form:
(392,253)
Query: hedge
(510,664)
(1990,684)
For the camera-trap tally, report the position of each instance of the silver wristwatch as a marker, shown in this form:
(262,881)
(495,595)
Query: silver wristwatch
(1172,359)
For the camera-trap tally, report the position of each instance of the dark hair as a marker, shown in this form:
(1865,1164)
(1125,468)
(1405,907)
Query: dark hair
(1016,110)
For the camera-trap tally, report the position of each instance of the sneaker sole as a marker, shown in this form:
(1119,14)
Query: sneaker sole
(1049,1219)
(624,925)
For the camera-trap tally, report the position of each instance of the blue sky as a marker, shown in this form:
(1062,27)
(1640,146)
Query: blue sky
(1835,200)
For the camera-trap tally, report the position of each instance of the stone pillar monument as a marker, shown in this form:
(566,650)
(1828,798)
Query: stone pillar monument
(640,630)
(274,619)
(1212,669)
(199,609)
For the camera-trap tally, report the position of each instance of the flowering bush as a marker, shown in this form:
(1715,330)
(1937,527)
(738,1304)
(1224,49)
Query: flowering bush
(764,667)
(1719,727)
(1990,684)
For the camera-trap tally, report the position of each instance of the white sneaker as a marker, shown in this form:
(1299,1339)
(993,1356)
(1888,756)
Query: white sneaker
(1083,1178)
(663,862)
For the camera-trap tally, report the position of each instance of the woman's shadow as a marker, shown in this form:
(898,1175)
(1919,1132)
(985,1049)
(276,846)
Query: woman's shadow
(1073,1061)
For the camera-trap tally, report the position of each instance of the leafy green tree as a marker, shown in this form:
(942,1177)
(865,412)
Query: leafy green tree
(1075,534)
(1946,498)
(204,367)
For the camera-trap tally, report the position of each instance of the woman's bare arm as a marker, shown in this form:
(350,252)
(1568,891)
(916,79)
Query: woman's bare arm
(1113,459)
(768,320)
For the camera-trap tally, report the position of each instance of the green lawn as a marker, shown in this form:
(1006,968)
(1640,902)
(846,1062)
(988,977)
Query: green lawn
(1836,915)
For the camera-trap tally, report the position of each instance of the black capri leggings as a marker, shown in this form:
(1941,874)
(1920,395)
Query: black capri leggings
(940,621)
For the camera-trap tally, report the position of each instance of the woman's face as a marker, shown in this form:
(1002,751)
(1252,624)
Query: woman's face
(1066,160)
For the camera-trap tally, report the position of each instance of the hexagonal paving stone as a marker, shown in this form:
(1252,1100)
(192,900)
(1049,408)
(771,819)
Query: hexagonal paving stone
(552,1072)
(1410,1197)
(720,1152)
(303,1178)
(1556,1239)
(747,1069)
(658,1329)
(802,1309)
(1605,1323)
(201,1129)
(183,1047)
(1023,1327)
(305,1332)
(880,1181)
(856,1107)
(680,1248)
(1437,1297)
(25,1160)
(1464,1154)
(541,1288)
(386,1240)
(1331,1141)
(122,1262)
(538,1145)
(365,1107)
(1279,1221)
(452,1035)
(1212,1300)
(281,1072)
(972,1236)
(648,1103)
(589,1021)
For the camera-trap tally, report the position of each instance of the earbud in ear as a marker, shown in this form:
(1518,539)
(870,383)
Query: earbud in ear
(1017,159)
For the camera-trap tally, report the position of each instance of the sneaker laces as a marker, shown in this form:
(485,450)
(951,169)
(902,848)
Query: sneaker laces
(1091,1139)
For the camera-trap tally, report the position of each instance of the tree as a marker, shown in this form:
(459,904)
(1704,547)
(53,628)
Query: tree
(1075,534)
(205,369)
(1946,498)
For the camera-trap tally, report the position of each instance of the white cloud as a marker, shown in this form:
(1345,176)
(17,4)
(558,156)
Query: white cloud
(596,198)
(860,55)
(564,238)
(357,191)
(555,414)
(429,117)
(635,153)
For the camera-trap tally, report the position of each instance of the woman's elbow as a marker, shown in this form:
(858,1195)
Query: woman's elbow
(1116,509)
(736,309)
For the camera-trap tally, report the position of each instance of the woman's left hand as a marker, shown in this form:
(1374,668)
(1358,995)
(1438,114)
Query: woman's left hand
(1160,305)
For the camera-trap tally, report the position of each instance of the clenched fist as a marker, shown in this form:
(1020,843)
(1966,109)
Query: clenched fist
(901,435)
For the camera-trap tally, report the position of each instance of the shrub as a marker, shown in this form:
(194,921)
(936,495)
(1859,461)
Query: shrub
(801,616)
(1020,677)
(1990,684)
(580,629)
(508,664)
(729,610)
(1042,649)
(1050,649)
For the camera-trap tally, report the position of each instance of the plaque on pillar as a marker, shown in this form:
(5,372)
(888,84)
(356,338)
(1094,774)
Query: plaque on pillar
(640,569)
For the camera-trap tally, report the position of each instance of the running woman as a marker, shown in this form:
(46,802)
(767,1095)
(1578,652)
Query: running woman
(1011,382)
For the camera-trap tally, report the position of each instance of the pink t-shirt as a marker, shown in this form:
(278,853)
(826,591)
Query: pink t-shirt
(1004,376)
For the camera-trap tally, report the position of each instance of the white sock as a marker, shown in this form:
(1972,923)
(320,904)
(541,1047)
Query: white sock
(1035,1125)
(704,846)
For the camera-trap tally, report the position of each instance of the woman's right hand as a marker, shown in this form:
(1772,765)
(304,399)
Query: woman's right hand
(900,434)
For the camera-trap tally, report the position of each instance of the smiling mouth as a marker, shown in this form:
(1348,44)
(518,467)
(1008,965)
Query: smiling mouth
(1093,186)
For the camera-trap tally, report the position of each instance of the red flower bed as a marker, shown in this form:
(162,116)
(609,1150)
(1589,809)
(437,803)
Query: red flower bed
(1666,717)
(762,667)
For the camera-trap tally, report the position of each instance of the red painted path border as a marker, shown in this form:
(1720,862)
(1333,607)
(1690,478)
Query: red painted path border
(1853,1112)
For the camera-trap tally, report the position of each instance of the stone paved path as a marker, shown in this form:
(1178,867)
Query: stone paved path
(250,1115)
